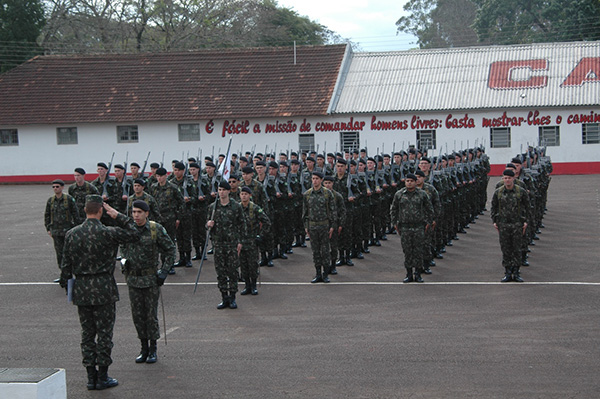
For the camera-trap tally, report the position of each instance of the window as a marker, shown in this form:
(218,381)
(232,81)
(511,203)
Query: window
(306,142)
(189,132)
(127,134)
(590,133)
(9,137)
(66,135)
(549,136)
(426,139)
(500,137)
(349,141)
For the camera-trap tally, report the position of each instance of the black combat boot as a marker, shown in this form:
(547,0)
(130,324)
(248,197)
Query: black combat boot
(516,276)
(342,259)
(296,243)
(418,277)
(188,259)
(270,259)
(253,286)
(92,377)
(348,259)
(365,247)
(303,243)
(143,353)
(358,253)
(507,276)
(225,302)
(182,260)
(104,381)
(232,304)
(263,258)
(332,269)
(409,276)
(152,358)
(318,276)
(426,268)
(282,254)
(288,249)
(275,253)
(198,255)
(248,288)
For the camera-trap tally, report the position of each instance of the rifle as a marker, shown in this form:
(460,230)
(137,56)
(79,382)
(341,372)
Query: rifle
(162,163)
(105,184)
(185,181)
(207,238)
(125,190)
(145,164)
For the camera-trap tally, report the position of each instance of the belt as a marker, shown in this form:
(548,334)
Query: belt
(141,272)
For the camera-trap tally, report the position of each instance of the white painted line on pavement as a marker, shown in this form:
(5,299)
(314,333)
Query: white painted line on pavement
(354,283)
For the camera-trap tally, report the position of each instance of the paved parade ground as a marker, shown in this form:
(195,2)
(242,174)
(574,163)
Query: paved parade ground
(461,334)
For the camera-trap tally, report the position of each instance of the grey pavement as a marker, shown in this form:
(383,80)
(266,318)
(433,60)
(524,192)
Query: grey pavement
(461,334)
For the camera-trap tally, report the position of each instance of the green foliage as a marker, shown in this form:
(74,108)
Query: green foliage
(21,22)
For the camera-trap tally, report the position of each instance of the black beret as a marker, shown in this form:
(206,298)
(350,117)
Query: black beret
(81,171)
(119,166)
(509,172)
(328,178)
(141,205)
(353,162)
(155,165)
(190,159)
(208,158)
(339,154)
(102,165)
(247,169)
(320,156)
(247,189)
(511,165)
(283,163)
(444,157)
(261,163)
(371,159)
(516,160)
(310,159)
(194,165)
(361,160)
(140,182)
(411,176)
(412,151)
(318,174)
(355,151)
(210,164)
(397,153)
(342,161)
(363,150)
(378,158)
(93,198)
(134,164)
(221,155)
(273,164)
(258,154)
(58,181)
(225,185)
(420,173)
(295,162)
(234,176)
(175,161)
(426,159)
(179,165)
(244,159)
(294,154)
(330,154)
(283,153)
(161,171)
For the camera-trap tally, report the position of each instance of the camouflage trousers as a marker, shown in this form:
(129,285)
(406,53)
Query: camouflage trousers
(144,311)
(226,264)
(428,244)
(249,261)
(169,223)
(184,232)
(97,321)
(345,239)
(199,227)
(319,244)
(333,245)
(59,243)
(511,239)
(412,239)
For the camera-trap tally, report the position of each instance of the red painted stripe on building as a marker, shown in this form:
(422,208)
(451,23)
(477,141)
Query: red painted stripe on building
(563,168)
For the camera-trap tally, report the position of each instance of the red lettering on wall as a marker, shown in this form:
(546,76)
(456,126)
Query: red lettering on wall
(501,74)
(588,70)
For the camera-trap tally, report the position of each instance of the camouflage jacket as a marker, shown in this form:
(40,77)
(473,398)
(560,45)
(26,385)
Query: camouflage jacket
(142,256)
(111,190)
(230,223)
(79,193)
(154,213)
(510,206)
(318,208)
(258,222)
(258,193)
(169,200)
(340,208)
(411,209)
(434,197)
(61,214)
(89,256)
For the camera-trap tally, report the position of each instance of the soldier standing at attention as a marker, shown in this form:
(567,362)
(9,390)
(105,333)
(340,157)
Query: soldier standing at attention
(434,197)
(79,190)
(510,212)
(60,216)
(139,194)
(258,223)
(335,241)
(411,214)
(227,222)
(144,278)
(318,213)
(89,259)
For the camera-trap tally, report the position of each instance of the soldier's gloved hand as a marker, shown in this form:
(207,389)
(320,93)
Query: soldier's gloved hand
(258,239)
(161,276)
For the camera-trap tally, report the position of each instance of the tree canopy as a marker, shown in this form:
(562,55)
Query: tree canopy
(21,22)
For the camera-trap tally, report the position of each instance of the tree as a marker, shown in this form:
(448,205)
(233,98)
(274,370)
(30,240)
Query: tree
(21,22)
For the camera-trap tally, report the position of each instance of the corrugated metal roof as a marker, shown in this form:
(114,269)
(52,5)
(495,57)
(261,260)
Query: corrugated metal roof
(459,78)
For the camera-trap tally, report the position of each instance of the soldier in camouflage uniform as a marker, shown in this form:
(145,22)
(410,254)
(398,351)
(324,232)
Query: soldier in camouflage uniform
(434,197)
(60,216)
(188,192)
(338,227)
(266,246)
(88,258)
(510,213)
(170,202)
(139,194)
(411,213)
(121,188)
(318,213)
(228,225)
(295,186)
(340,185)
(199,206)
(258,224)
(79,190)
(144,277)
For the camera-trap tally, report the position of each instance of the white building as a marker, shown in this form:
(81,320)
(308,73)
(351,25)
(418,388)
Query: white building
(67,112)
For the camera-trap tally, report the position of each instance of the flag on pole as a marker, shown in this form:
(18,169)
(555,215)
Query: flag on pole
(225,167)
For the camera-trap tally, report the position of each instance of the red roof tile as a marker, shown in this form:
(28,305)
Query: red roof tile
(223,83)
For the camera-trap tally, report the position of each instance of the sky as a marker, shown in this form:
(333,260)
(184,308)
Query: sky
(370,23)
